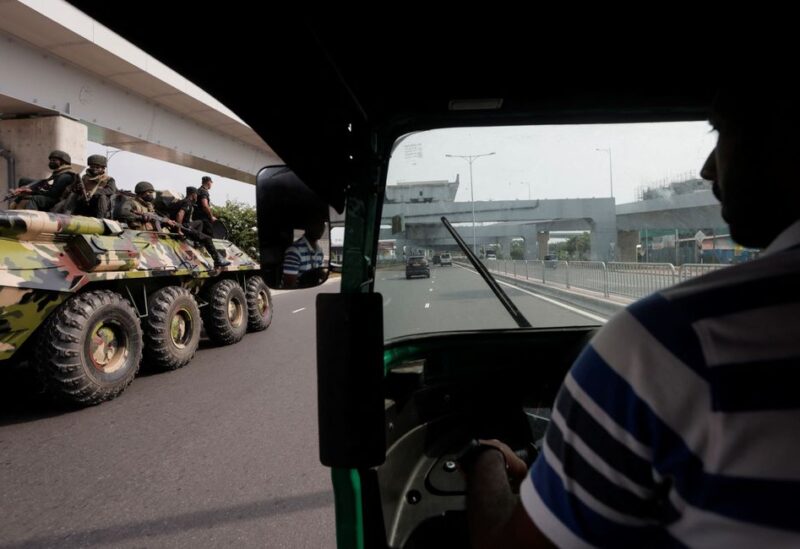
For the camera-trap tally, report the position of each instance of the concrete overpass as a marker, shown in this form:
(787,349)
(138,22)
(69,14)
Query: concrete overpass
(614,229)
(682,211)
(68,80)
(531,220)
(437,237)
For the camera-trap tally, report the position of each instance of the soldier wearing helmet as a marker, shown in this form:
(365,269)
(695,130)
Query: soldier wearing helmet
(139,212)
(43,194)
(91,195)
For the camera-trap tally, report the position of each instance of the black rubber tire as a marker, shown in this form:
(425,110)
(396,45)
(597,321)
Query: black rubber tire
(257,293)
(220,327)
(164,349)
(64,358)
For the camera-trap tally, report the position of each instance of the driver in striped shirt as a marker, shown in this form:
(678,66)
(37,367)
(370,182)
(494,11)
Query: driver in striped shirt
(677,426)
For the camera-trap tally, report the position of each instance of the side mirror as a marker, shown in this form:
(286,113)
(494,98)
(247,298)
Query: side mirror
(293,230)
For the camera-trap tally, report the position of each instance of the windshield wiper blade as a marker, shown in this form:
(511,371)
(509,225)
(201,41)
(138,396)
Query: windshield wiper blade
(518,317)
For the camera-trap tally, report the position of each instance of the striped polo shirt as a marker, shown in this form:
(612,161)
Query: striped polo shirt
(301,257)
(679,425)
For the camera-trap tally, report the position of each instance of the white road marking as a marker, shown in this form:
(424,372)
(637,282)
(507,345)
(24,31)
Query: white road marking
(298,310)
(276,293)
(427,305)
(430,289)
(547,299)
(387,301)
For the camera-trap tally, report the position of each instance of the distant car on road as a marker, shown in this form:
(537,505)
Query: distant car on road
(437,259)
(417,265)
(491,255)
(445,259)
(551,261)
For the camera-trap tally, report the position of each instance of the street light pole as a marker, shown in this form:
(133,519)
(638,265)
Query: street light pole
(471,158)
(610,170)
(529,188)
(109,156)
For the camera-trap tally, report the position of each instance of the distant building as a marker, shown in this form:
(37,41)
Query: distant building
(422,191)
(673,188)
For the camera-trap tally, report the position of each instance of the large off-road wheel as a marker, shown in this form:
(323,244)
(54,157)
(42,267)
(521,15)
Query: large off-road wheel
(171,329)
(225,316)
(90,348)
(259,304)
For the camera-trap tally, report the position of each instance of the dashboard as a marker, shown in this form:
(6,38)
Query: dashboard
(440,399)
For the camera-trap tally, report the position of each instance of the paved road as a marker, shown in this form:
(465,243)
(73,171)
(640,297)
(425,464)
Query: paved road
(456,298)
(222,453)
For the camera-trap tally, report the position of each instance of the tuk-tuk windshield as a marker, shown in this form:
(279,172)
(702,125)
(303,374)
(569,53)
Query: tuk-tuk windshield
(574,221)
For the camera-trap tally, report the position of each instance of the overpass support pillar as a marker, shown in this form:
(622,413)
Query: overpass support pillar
(530,246)
(30,140)
(505,246)
(542,241)
(603,241)
(626,246)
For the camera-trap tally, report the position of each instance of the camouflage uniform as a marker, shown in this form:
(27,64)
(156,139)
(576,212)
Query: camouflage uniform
(138,214)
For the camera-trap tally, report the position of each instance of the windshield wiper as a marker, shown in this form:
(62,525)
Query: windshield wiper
(518,317)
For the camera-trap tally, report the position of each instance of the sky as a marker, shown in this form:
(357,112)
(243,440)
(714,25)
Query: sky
(129,168)
(555,161)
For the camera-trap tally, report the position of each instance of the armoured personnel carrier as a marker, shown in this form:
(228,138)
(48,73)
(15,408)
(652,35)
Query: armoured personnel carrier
(85,301)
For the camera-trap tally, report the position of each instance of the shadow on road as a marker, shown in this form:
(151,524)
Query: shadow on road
(145,530)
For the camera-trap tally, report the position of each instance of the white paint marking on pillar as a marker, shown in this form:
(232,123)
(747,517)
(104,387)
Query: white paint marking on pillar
(298,310)
(427,305)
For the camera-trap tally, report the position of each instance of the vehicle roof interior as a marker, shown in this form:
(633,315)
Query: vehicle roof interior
(312,81)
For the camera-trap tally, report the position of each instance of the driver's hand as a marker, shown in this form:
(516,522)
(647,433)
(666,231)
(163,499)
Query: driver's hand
(213,219)
(517,470)
(22,190)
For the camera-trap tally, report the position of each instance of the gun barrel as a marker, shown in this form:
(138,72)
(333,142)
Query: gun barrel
(29,223)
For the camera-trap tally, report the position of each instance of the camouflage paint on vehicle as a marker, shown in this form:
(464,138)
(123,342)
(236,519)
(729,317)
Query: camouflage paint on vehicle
(44,258)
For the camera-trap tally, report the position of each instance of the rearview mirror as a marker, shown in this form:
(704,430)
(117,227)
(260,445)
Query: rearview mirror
(293,230)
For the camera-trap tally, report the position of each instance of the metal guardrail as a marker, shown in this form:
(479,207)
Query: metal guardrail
(639,279)
(692,270)
(630,280)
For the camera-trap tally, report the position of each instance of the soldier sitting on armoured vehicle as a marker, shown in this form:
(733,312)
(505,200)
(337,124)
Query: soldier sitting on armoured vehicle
(139,213)
(43,194)
(182,212)
(91,194)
